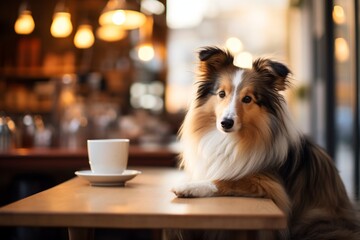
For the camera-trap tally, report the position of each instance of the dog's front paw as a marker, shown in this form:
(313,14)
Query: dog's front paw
(195,189)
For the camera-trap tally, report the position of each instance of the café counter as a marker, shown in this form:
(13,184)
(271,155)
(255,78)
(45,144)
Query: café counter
(45,159)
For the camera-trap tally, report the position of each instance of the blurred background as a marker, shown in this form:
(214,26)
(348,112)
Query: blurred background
(72,70)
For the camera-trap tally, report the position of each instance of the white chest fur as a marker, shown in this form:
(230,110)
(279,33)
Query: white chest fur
(218,156)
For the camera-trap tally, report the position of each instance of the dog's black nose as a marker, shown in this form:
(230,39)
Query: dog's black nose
(227,123)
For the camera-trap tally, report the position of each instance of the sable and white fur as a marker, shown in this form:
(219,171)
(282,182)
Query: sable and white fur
(239,140)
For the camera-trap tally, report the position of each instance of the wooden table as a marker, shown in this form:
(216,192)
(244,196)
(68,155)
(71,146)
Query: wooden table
(145,202)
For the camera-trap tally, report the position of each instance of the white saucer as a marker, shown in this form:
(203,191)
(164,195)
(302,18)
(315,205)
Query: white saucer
(97,179)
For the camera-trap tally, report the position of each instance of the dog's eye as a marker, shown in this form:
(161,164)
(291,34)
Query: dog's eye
(246,99)
(222,94)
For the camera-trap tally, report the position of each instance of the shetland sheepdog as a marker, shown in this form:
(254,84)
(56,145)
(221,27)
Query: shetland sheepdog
(238,140)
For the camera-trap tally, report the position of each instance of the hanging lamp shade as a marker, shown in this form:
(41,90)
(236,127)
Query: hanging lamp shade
(110,33)
(24,23)
(61,26)
(118,12)
(84,37)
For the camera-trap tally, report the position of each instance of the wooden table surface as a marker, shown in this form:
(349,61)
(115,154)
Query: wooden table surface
(145,202)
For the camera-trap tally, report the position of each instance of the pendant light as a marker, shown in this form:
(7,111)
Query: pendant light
(121,13)
(61,26)
(146,52)
(110,33)
(24,23)
(145,49)
(84,37)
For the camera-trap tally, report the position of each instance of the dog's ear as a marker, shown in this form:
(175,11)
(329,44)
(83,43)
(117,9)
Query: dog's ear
(275,73)
(213,58)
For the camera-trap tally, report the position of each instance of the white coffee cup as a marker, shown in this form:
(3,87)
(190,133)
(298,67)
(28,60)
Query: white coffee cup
(108,156)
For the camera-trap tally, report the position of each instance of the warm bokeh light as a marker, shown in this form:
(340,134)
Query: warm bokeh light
(110,33)
(243,60)
(25,23)
(127,19)
(146,52)
(84,37)
(342,51)
(118,17)
(61,26)
(338,14)
(234,45)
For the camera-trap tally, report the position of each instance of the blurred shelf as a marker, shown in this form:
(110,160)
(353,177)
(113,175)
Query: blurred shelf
(33,73)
